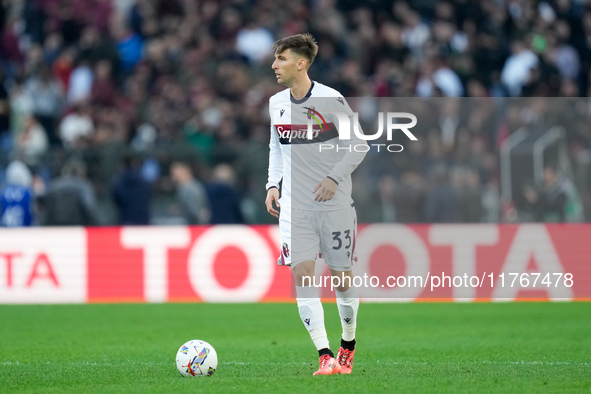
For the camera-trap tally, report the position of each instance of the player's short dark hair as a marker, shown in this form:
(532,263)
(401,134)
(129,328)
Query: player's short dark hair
(301,44)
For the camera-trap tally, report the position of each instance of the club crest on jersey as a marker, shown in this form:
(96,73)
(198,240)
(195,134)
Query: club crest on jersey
(313,114)
(285,250)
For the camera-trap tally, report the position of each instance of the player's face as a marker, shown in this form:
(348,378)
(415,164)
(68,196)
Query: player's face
(286,66)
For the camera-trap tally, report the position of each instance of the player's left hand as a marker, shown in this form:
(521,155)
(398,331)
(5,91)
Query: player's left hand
(326,189)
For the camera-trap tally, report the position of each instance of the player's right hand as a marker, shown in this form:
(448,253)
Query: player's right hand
(272,196)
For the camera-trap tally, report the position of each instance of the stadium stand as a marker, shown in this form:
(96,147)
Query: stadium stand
(188,81)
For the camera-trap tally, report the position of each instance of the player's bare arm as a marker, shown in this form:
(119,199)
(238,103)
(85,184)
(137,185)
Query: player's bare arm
(272,197)
(326,189)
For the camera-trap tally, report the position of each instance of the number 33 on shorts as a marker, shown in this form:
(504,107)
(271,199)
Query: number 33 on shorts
(336,236)
(339,249)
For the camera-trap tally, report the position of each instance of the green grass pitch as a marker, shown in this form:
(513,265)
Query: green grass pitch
(419,347)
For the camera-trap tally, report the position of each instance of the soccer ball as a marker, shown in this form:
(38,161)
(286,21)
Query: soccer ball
(196,358)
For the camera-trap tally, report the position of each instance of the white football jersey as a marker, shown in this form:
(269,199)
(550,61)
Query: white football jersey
(302,162)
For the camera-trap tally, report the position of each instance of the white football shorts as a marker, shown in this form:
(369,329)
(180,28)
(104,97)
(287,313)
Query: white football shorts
(306,235)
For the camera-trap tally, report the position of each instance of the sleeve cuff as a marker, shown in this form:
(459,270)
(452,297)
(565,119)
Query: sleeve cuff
(271,185)
(332,179)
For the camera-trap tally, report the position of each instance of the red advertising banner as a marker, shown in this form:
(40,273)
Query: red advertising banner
(210,263)
(460,262)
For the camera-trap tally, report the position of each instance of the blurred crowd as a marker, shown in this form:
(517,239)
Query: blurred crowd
(155,111)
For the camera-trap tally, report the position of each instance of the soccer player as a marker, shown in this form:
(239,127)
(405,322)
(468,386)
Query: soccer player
(316,209)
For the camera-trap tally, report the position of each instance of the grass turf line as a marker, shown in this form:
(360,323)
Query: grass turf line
(507,347)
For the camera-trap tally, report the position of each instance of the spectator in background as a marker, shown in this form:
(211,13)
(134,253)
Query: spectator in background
(9,46)
(491,202)
(5,137)
(70,199)
(438,77)
(80,82)
(16,198)
(191,195)
(564,55)
(554,196)
(129,46)
(52,47)
(31,142)
(47,96)
(387,189)
(531,210)
(415,33)
(409,198)
(21,107)
(103,90)
(254,42)
(470,197)
(517,69)
(77,128)
(551,201)
(441,201)
(224,197)
(132,194)
(94,47)
(64,65)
